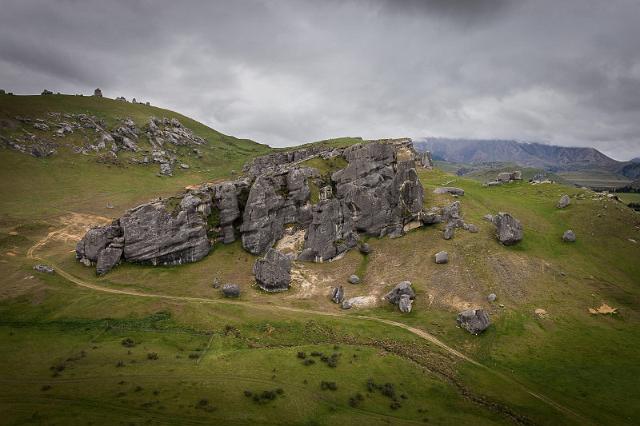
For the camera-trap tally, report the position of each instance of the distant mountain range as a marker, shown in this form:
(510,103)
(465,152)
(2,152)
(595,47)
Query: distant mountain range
(548,157)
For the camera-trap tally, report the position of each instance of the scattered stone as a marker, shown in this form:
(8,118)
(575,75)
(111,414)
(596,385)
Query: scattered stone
(358,302)
(569,236)
(402,288)
(273,272)
(44,268)
(442,257)
(184,166)
(405,303)
(492,297)
(40,126)
(97,93)
(563,202)
(449,190)
(508,229)
(231,290)
(365,248)
(470,227)
(449,232)
(354,279)
(475,321)
(337,294)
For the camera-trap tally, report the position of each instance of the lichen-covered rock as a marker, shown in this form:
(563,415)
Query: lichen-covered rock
(337,294)
(449,232)
(273,271)
(569,236)
(563,202)
(402,288)
(231,290)
(508,229)
(475,321)
(404,304)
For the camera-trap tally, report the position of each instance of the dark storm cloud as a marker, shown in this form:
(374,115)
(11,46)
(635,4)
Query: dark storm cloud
(289,71)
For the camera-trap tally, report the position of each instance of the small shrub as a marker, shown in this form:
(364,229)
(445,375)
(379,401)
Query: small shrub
(328,386)
(248,393)
(152,356)
(45,388)
(302,355)
(120,364)
(138,389)
(194,356)
(316,353)
(279,391)
(395,405)
(128,342)
(308,362)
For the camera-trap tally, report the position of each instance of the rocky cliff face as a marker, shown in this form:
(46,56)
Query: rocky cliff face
(333,195)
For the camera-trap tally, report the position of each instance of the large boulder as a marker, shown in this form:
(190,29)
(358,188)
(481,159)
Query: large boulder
(404,304)
(337,294)
(96,240)
(273,271)
(508,229)
(563,202)
(231,290)
(475,321)
(169,232)
(403,288)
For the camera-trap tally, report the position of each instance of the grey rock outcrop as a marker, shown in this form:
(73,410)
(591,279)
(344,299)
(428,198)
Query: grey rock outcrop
(448,190)
(354,279)
(508,229)
(337,294)
(475,321)
(449,232)
(273,271)
(376,192)
(44,268)
(563,202)
(426,160)
(403,288)
(108,258)
(405,302)
(231,290)
(442,257)
(569,236)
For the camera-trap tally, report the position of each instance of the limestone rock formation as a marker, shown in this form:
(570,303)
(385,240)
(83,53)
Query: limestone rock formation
(337,294)
(475,321)
(403,287)
(405,302)
(231,290)
(563,202)
(375,191)
(569,236)
(508,229)
(273,271)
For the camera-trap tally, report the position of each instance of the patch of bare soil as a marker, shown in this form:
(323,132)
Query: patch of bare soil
(604,309)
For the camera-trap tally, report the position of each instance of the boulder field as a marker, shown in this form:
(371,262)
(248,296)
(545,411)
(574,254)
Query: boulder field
(375,192)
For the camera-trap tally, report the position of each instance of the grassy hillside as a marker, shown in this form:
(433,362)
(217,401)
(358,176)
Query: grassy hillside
(195,355)
(34,188)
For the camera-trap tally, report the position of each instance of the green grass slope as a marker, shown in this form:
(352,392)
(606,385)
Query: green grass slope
(40,187)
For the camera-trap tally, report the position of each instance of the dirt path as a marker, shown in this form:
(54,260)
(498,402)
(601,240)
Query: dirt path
(31,253)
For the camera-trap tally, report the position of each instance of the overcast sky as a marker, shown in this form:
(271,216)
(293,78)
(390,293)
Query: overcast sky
(288,72)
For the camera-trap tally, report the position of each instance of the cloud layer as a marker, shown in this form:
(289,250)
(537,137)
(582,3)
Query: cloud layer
(287,72)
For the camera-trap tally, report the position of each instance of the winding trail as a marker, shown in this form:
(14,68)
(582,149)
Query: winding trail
(31,254)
